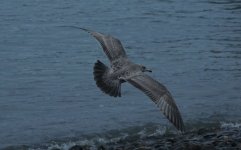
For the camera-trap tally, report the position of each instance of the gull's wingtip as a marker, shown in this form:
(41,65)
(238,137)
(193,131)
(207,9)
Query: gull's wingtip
(87,30)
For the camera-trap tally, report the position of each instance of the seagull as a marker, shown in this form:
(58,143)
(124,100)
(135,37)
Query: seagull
(122,69)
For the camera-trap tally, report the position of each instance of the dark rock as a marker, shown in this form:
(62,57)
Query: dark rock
(190,146)
(237,139)
(209,135)
(129,147)
(179,146)
(201,131)
(120,147)
(171,140)
(219,135)
(215,142)
(158,146)
(233,144)
(101,147)
(76,147)
(143,148)
(208,147)
(55,149)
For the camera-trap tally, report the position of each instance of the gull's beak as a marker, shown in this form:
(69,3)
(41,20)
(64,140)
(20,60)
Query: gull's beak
(148,70)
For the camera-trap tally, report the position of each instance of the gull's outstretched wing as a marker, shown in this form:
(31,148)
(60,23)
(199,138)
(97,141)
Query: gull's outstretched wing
(160,96)
(111,46)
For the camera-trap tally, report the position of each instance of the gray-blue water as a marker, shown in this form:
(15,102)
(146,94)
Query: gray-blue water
(47,89)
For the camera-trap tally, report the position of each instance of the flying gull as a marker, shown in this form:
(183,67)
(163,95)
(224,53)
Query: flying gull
(109,79)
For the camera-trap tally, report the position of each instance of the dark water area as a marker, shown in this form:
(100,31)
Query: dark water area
(47,91)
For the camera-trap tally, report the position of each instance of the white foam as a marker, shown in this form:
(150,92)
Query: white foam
(159,131)
(230,125)
(97,140)
(93,143)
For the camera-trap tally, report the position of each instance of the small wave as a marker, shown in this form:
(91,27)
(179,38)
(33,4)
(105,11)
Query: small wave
(147,134)
(228,125)
(94,141)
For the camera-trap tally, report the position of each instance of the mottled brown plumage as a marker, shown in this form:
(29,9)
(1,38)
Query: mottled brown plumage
(122,70)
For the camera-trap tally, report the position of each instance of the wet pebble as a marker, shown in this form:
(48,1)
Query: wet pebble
(80,147)
(209,135)
(101,147)
(76,147)
(55,149)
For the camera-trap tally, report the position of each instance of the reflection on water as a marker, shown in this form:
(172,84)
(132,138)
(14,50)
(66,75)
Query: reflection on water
(47,89)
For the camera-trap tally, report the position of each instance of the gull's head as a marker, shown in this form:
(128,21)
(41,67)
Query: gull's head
(144,69)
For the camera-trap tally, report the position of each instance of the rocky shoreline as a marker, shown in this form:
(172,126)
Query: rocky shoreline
(201,139)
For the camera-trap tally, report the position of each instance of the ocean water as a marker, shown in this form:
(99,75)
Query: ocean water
(47,91)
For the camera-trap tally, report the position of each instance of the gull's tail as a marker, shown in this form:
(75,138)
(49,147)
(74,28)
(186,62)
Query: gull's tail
(107,85)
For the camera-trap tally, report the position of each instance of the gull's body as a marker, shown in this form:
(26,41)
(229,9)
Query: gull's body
(122,70)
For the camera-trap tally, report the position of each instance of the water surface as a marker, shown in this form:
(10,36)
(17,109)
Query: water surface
(47,89)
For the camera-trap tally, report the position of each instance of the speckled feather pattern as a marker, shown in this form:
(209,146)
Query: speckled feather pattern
(122,70)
